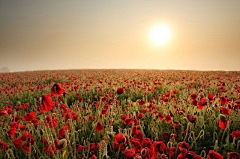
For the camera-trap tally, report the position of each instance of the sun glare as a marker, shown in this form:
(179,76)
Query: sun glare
(160,34)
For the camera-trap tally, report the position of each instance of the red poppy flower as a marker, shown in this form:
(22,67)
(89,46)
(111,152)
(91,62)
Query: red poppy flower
(8,107)
(14,124)
(187,154)
(23,127)
(172,151)
(80,148)
(3,145)
(57,89)
(194,102)
(26,147)
(214,155)
(24,106)
(139,136)
(223,100)
(181,111)
(202,103)
(183,154)
(210,97)
(95,104)
(62,131)
(119,138)
(17,108)
(223,122)
(123,117)
(233,155)
(104,99)
(193,96)
(47,103)
(35,122)
(128,121)
(26,136)
(120,90)
(99,126)
(168,118)
(144,110)
(236,134)
(51,121)
(225,110)
(147,143)
(191,118)
(183,145)
(129,153)
(140,115)
(165,134)
(17,142)
(11,132)
(80,99)
(160,116)
(141,102)
(49,149)
(136,144)
(104,111)
(134,130)
(3,112)
(158,146)
(29,116)
(136,122)
(174,92)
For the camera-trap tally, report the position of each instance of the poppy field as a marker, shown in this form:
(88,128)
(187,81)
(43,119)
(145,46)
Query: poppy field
(141,114)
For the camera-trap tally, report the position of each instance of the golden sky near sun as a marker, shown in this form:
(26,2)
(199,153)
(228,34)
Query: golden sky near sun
(41,35)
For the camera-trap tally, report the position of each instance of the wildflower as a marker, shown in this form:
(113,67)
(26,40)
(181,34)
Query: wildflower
(120,90)
(129,153)
(46,103)
(99,126)
(3,145)
(236,134)
(29,116)
(214,155)
(223,122)
(57,89)
(193,96)
(62,131)
(168,118)
(233,155)
(191,118)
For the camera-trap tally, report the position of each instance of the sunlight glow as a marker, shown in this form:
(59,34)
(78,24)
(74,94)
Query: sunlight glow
(160,34)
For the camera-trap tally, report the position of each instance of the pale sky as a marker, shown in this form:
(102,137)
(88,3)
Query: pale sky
(43,35)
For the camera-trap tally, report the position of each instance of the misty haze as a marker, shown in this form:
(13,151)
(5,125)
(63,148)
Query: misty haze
(120,79)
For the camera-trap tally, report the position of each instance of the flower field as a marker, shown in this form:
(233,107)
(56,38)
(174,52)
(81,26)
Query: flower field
(118,114)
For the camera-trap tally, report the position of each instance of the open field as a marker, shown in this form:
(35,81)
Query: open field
(120,114)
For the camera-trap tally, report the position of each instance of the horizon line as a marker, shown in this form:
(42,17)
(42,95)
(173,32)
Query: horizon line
(170,69)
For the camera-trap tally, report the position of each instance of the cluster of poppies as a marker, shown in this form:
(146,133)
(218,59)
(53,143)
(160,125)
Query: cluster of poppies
(147,114)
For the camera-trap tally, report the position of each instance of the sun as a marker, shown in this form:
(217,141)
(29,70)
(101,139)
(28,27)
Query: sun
(160,34)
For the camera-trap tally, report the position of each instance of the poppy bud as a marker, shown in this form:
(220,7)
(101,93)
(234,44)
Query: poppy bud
(143,152)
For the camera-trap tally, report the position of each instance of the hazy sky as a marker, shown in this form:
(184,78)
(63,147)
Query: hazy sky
(115,34)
